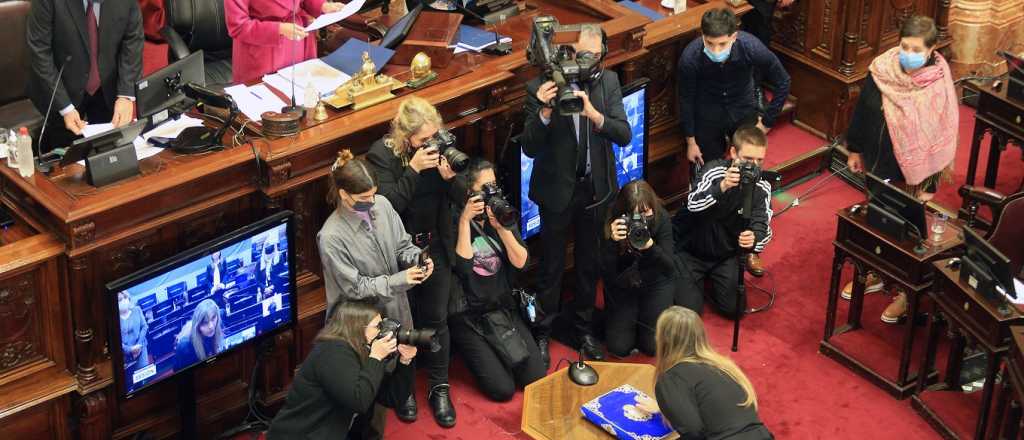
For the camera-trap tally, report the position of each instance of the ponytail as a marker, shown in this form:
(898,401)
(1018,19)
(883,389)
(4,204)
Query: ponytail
(349,174)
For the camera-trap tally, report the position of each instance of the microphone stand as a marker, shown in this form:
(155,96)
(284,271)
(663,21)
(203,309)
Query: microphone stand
(41,165)
(293,108)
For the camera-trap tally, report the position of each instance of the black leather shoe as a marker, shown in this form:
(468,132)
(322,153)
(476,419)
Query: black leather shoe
(591,348)
(545,355)
(406,412)
(441,403)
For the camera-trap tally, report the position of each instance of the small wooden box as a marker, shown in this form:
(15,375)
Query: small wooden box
(433,33)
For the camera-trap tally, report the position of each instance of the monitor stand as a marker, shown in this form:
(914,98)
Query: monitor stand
(187,404)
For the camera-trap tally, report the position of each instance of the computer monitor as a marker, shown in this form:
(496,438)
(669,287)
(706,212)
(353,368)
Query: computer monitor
(985,268)
(894,212)
(630,159)
(161,91)
(190,324)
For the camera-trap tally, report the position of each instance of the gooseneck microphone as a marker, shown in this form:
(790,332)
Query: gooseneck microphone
(40,164)
(293,107)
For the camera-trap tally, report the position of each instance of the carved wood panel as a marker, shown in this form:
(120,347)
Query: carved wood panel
(20,328)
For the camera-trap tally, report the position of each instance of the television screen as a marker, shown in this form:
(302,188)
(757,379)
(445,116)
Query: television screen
(629,159)
(179,313)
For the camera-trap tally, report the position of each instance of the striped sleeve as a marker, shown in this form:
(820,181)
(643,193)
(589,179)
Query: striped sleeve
(761,223)
(706,193)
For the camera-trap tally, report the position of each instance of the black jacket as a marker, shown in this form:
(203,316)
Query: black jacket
(56,30)
(655,265)
(699,401)
(869,135)
(554,147)
(331,388)
(710,225)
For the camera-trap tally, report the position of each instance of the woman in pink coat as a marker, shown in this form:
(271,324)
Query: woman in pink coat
(265,37)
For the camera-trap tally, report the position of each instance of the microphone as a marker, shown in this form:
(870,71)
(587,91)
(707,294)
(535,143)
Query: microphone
(580,373)
(293,107)
(42,166)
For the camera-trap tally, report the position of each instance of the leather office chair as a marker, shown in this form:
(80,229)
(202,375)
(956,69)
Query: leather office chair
(1007,232)
(16,109)
(199,25)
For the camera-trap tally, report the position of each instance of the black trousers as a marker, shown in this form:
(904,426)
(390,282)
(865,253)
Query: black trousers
(93,109)
(554,237)
(714,130)
(759,20)
(495,380)
(431,311)
(724,276)
(632,314)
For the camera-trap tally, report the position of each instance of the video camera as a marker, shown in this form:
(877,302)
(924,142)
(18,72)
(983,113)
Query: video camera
(422,338)
(638,233)
(551,49)
(493,198)
(444,142)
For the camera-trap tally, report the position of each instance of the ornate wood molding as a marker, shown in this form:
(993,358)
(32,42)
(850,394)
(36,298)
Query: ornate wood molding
(19,323)
(280,172)
(82,233)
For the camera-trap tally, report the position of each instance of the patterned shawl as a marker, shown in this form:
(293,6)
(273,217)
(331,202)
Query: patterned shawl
(922,113)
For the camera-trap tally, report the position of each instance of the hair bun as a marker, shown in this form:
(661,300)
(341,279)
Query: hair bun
(344,156)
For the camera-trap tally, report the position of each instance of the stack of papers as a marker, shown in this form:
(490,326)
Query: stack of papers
(253,101)
(316,72)
(325,20)
(474,39)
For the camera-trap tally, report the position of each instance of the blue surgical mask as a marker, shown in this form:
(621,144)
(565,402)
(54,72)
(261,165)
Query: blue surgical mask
(360,206)
(719,57)
(912,60)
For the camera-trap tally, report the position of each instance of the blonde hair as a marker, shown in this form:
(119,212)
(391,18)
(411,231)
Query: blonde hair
(413,114)
(206,311)
(680,337)
(349,174)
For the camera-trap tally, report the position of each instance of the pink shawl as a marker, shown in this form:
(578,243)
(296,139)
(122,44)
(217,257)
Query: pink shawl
(922,112)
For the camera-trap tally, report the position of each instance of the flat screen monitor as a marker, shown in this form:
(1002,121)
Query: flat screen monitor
(81,148)
(162,89)
(985,267)
(203,303)
(630,159)
(897,204)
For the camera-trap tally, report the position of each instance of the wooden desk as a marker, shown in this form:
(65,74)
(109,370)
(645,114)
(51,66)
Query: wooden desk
(1000,116)
(1008,415)
(970,318)
(551,406)
(95,235)
(898,265)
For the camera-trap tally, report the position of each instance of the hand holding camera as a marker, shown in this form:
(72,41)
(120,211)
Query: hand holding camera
(445,169)
(619,229)
(424,158)
(381,348)
(417,274)
(589,111)
(545,94)
(731,179)
(406,353)
(474,207)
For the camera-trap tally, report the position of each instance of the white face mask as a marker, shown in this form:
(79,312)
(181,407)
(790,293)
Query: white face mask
(124,305)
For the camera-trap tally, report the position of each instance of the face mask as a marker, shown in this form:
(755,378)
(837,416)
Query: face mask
(912,60)
(719,57)
(124,305)
(362,206)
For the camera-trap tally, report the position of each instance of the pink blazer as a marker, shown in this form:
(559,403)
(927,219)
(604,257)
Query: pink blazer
(258,46)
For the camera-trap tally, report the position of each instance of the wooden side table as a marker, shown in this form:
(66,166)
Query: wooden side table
(1008,415)
(1001,116)
(898,265)
(971,319)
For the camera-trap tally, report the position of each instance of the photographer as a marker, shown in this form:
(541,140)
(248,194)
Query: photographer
(710,231)
(488,255)
(415,177)
(639,269)
(336,389)
(573,177)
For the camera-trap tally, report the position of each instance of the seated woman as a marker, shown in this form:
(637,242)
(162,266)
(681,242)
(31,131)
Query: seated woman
(133,333)
(200,337)
(487,256)
(639,281)
(701,393)
(904,127)
(345,374)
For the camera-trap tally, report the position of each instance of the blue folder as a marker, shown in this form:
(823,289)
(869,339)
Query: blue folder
(615,413)
(648,12)
(349,57)
(475,37)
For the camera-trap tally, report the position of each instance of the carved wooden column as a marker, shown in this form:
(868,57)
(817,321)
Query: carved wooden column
(94,416)
(980,28)
(851,37)
(85,367)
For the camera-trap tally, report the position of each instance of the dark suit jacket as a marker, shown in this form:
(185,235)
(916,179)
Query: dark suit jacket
(56,30)
(553,147)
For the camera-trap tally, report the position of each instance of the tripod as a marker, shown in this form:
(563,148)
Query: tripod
(741,297)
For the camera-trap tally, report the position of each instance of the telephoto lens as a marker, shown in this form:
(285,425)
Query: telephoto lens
(637,232)
(456,159)
(501,208)
(422,338)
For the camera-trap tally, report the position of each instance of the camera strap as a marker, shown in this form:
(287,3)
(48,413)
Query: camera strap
(487,239)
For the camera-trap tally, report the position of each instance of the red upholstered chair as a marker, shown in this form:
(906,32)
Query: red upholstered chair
(1007,231)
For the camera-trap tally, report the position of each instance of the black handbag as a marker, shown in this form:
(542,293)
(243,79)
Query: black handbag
(504,337)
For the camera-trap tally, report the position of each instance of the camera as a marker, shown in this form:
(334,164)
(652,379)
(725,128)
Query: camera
(637,231)
(550,49)
(503,211)
(422,338)
(421,261)
(444,142)
(750,173)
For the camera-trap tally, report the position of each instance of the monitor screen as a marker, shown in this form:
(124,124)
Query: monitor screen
(162,89)
(630,160)
(179,313)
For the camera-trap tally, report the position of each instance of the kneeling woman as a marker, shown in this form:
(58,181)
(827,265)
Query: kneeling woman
(335,389)
(701,393)
(639,277)
(487,255)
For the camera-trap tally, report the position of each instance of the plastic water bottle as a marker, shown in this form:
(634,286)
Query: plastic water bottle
(26,160)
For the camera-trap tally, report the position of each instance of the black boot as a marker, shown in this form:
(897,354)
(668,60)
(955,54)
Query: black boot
(545,355)
(406,412)
(441,403)
(591,348)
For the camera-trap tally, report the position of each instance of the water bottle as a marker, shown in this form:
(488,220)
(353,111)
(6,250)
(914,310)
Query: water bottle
(3,142)
(26,160)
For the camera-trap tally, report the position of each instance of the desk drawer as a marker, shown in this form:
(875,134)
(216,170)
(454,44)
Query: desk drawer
(886,256)
(977,318)
(1010,117)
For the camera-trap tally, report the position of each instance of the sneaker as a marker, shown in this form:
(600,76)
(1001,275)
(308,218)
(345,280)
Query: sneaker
(896,310)
(872,284)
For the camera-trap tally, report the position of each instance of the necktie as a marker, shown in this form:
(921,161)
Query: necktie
(93,83)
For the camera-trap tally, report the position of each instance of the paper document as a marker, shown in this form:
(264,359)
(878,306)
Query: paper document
(142,150)
(327,19)
(316,72)
(172,128)
(1018,287)
(91,130)
(253,101)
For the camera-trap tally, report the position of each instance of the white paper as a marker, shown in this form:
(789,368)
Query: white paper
(284,86)
(253,101)
(91,130)
(327,19)
(142,150)
(479,48)
(172,128)
(315,71)
(1018,287)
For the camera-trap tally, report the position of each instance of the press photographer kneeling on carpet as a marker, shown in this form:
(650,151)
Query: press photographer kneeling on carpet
(486,328)
(711,230)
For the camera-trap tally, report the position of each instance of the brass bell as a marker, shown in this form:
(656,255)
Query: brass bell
(320,114)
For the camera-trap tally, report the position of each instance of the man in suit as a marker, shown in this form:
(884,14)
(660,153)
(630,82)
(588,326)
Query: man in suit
(573,180)
(99,43)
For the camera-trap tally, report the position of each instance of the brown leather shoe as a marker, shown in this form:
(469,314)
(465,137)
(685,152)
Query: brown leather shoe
(754,265)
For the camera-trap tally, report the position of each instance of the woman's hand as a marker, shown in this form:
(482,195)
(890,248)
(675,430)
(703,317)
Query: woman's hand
(855,162)
(424,158)
(474,207)
(445,168)
(406,353)
(618,230)
(429,269)
(381,348)
(647,405)
(415,275)
(291,31)
(330,7)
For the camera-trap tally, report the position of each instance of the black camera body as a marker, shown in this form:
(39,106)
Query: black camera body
(422,338)
(549,50)
(638,233)
(444,142)
(750,174)
(494,198)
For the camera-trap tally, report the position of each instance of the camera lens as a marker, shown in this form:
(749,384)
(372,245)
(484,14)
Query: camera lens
(456,159)
(503,211)
(422,338)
